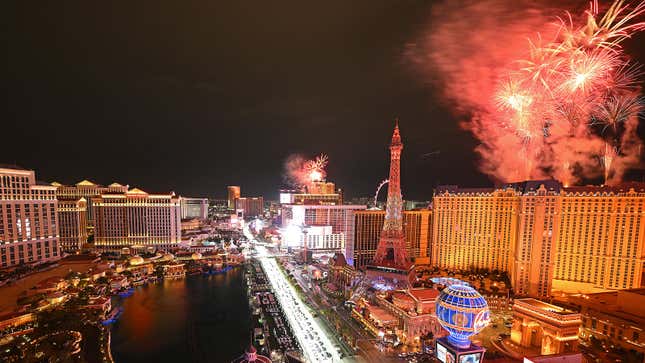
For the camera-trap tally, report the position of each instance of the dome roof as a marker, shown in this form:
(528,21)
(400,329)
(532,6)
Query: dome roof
(463,312)
(135,260)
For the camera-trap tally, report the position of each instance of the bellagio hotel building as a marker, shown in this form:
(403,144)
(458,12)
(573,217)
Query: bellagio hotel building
(28,221)
(136,219)
(547,237)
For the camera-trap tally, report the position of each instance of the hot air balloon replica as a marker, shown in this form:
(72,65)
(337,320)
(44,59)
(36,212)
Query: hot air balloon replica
(463,312)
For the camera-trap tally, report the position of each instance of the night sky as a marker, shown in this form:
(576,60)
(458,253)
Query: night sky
(192,96)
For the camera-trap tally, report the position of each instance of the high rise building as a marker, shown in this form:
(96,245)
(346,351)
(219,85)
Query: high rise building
(417,227)
(339,219)
(194,208)
(546,237)
(250,206)
(537,233)
(28,220)
(87,190)
(137,219)
(391,250)
(233,193)
(316,192)
(601,238)
(72,222)
(474,228)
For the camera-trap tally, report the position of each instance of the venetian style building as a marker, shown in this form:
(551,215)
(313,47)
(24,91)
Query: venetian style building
(547,237)
(136,219)
(368,224)
(28,220)
(72,220)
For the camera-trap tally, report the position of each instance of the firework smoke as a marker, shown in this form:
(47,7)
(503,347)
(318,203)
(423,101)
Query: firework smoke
(300,172)
(549,93)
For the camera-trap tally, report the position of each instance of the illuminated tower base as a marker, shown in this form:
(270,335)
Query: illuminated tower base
(446,352)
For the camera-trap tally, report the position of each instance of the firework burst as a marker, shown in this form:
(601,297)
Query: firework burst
(578,80)
(565,104)
(301,172)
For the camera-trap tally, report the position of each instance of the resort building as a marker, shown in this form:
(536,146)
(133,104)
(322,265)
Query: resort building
(72,221)
(28,220)
(250,206)
(136,219)
(87,190)
(233,193)
(549,238)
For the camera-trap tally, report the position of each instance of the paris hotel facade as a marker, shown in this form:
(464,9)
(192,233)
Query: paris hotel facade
(547,237)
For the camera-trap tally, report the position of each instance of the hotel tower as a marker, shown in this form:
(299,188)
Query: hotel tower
(28,221)
(547,237)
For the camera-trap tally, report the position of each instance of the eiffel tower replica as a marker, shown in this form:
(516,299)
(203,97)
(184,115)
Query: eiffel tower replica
(391,259)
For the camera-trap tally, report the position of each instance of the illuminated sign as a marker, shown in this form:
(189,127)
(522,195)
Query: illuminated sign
(470,358)
(286,198)
(445,355)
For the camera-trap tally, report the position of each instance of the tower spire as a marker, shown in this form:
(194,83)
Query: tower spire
(396,136)
(391,250)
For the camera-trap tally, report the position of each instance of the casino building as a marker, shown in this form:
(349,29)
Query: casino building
(28,220)
(136,219)
(415,312)
(72,220)
(549,238)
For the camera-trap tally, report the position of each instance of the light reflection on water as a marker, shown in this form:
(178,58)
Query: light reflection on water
(198,319)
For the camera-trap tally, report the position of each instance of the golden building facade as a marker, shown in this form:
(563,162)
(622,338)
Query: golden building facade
(233,193)
(72,220)
(547,237)
(87,190)
(601,244)
(474,228)
(137,219)
(539,209)
(368,225)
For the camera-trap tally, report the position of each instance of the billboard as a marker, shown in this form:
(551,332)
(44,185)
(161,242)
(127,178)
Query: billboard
(286,198)
(444,354)
(470,358)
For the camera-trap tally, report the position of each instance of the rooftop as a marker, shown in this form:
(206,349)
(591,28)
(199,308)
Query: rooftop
(12,166)
(424,294)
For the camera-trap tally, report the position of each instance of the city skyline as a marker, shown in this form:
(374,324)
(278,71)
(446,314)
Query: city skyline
(451,181)
(131,92)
